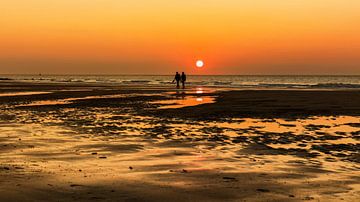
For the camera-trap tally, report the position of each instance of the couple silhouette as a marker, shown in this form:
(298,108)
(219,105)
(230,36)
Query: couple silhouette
(179,78)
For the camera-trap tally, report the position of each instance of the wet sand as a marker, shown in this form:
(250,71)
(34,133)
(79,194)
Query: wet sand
(67,142)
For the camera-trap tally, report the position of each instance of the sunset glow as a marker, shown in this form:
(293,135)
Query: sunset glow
(156,37)
(179,100)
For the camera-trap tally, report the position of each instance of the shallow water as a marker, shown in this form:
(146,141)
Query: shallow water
(22,93)
(187,101)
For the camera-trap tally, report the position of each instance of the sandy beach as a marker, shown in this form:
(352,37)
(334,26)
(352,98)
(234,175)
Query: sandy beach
(102,142)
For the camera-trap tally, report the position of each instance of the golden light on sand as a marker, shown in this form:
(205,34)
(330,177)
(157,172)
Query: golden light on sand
(199,63)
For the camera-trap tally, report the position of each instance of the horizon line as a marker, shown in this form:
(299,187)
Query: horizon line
(99,74)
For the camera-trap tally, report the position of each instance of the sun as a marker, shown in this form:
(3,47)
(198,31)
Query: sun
(199,63)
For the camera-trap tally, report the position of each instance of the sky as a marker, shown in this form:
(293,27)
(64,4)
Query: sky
(163,36)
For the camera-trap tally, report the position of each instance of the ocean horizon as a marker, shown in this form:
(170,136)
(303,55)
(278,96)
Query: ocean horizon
(236,81)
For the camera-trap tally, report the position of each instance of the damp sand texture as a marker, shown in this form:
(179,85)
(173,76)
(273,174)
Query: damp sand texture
(80,142)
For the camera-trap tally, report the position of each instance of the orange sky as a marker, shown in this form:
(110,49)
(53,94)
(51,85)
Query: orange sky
(160,37)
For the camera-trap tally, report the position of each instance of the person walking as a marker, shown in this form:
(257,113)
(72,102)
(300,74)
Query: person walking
(183,79)
(177,79)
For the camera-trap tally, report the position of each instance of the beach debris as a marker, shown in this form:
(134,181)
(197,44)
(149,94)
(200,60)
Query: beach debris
(76,185)
(185,171)
(291,196)
(308,198)
(227,179)
(131,168)
(102,157)
(6,168)
(263,190)
(94,153)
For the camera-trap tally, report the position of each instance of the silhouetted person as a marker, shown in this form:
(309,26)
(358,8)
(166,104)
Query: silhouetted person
(177,79)
(183,79)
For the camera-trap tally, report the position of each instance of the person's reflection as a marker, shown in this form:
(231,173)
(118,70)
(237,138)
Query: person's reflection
(183,94)
(180,94)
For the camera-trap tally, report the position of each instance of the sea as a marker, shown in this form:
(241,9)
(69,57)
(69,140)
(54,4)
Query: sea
(230,81)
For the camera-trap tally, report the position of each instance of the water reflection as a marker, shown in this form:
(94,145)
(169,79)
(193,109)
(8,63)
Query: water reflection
(23,93)
(180,94)
(186,98)
(185,101)
(199,91)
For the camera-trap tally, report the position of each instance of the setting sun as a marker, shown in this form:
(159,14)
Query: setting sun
(199,63)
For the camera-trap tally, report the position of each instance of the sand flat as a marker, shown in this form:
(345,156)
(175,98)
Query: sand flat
(120,144)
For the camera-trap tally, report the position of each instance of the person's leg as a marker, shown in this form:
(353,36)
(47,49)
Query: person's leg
(177,84)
